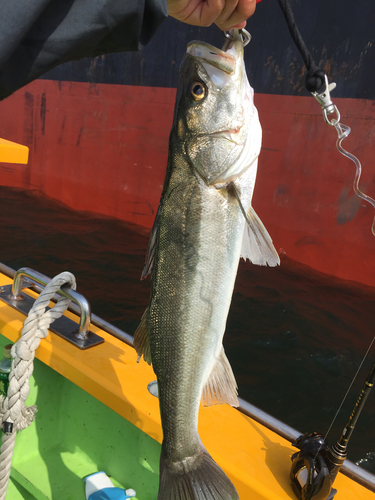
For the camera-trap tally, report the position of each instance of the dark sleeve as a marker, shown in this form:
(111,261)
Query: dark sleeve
(37,35)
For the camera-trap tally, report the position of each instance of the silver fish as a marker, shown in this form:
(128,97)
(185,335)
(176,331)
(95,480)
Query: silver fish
(205,222)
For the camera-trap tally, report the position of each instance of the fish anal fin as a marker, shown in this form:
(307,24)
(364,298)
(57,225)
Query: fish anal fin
(141,340)
(221,386)
(257,244)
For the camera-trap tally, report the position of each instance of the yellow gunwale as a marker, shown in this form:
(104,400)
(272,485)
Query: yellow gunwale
(256,459)
(11,152)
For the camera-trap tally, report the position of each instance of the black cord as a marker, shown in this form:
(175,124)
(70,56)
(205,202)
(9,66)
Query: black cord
(315,78)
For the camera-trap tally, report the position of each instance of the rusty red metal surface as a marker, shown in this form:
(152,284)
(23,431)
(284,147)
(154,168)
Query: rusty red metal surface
(103,148)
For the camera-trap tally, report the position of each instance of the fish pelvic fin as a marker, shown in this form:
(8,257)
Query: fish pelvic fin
(141,340)
(257,244)
(221,386)
(195,478)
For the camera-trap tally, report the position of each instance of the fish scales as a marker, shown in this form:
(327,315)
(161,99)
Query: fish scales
(204,223)
(200,261)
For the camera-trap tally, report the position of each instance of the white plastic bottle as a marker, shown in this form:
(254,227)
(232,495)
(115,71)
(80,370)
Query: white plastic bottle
(100,487)
(5,367)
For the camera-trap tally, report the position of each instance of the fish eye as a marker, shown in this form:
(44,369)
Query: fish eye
(197,91)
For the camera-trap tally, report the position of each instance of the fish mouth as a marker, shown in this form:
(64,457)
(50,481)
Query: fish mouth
(224,59)
(218,58)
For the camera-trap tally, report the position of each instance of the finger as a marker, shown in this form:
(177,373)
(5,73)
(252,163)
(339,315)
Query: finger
(211,10)
(225,14)
(196,12)
(235,14)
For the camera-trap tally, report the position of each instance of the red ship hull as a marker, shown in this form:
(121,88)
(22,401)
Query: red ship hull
(103,148)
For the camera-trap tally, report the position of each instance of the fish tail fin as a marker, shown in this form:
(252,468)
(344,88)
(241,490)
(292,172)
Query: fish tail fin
(194,478)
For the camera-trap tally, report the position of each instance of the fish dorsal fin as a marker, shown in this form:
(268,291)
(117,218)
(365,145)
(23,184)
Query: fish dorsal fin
(221,386)
(141,340)
(257,244)
(151,248)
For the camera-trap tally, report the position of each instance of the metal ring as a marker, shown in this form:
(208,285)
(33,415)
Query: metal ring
(334,121)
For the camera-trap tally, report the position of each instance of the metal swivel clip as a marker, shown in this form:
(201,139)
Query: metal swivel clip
(324,99)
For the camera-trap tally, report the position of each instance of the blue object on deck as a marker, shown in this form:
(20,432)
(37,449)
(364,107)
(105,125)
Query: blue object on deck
(109,494)
(100,487)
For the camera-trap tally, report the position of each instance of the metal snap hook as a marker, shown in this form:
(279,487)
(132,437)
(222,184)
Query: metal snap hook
(246,37)
(231,35)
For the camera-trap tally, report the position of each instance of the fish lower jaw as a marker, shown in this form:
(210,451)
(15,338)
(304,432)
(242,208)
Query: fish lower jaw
(231,135)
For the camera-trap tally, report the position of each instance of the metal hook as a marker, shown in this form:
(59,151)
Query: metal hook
(228,35)
(231,35)
(246,37)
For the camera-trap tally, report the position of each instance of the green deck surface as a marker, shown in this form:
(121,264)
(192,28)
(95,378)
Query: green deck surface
(75,435)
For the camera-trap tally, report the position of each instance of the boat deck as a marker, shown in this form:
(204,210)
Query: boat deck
(96,413)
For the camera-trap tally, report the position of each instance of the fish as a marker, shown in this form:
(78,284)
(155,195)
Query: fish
(204,223)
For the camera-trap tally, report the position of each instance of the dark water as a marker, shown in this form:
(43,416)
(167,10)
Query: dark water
(295,337)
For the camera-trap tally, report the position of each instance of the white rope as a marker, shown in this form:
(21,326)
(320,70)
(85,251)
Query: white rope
(12,408)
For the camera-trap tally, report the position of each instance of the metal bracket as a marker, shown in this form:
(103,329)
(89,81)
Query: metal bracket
(25,277)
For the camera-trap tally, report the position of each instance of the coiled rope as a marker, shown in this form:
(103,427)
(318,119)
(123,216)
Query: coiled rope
(14,414)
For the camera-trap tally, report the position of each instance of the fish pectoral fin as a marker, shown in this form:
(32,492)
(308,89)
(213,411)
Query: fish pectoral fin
(257,244)
(141,340)
(221,386)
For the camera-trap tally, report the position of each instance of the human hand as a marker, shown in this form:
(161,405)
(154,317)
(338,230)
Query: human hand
(226,14)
